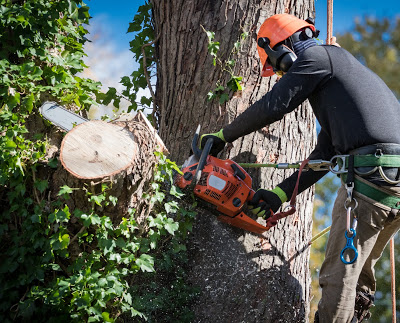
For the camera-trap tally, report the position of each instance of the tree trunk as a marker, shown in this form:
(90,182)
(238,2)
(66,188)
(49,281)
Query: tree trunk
(243,278)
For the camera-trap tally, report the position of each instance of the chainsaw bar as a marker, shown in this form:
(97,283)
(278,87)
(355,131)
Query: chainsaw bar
(59,116)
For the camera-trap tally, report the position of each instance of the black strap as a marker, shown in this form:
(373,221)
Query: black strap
(350,170)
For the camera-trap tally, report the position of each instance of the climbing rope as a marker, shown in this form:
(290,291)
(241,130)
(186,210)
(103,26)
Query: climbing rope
(392,270)
(329,28)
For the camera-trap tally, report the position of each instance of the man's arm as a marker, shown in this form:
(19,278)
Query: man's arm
(310,70)
(323,150)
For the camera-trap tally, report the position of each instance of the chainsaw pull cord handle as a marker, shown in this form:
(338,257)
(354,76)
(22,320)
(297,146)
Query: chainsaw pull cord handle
(271,221)
(203,159)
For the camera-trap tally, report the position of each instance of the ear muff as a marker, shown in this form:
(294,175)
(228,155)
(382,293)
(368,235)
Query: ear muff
(281,57)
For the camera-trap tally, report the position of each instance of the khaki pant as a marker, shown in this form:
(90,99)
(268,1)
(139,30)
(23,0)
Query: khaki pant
(339,281)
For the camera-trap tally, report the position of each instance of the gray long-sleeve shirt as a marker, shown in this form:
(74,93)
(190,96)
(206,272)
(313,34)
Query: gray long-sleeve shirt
(353,105)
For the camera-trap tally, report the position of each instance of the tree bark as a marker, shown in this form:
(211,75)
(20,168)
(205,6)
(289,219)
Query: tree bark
(243,278)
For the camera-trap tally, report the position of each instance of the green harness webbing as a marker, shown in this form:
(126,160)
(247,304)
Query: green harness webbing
(374,192)
(376,160)
(368,189)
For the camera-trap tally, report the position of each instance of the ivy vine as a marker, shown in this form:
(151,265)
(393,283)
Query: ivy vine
(222,92)
(120,270)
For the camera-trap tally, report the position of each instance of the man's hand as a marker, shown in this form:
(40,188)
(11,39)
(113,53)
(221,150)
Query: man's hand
(265,202)
(218,144)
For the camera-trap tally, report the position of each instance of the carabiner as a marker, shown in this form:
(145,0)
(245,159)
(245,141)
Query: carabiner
(349,245)
(319,165)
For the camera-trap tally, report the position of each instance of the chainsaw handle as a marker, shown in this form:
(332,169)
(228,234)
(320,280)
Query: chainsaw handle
(203,159)
(250,197)
(196,150)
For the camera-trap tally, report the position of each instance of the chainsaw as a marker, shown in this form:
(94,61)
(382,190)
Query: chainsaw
(221,184)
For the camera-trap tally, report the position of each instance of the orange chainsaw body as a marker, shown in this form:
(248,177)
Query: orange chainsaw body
(227,186)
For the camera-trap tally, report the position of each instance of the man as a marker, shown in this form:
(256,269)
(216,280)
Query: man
(359,115)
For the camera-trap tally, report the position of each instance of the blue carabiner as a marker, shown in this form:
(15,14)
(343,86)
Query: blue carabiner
(349,245)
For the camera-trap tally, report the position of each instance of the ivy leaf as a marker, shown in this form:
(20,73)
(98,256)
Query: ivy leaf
(13,100)
(223,98)
(106,317)
(213,48)
(113,200)
(65,190)
(128,298)
(171,226)
(234,83)
(220,88)
(53,162)
(210,35)
(97,199)
(28,102)
(171,207)
(64,241)
(41,185)
(146,263)
(175,191)
(11,145)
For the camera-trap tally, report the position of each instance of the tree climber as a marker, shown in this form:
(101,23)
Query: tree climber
(359,115)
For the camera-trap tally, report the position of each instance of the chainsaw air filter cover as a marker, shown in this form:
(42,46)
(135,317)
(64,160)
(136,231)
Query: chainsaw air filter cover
(222,183)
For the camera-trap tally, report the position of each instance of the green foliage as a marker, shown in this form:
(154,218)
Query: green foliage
(41,51)
(57,263)
(233,85)
(143,31)
(376,43)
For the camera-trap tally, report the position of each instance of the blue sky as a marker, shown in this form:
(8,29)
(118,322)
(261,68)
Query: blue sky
(109,57)
(118,14)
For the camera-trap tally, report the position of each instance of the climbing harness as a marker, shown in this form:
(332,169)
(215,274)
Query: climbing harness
(348,167)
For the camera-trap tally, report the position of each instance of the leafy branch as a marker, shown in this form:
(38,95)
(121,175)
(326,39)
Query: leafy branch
(221,91)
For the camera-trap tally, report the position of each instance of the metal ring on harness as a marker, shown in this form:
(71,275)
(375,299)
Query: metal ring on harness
(342,167)
(347,204)
(370,172)
(385,178)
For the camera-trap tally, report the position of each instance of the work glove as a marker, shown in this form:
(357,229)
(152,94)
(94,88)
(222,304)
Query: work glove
(266,202)
(218,144)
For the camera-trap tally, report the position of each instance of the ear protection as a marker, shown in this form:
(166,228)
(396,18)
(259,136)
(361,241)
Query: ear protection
(281,58)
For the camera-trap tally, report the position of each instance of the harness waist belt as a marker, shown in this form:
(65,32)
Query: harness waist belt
(374,192)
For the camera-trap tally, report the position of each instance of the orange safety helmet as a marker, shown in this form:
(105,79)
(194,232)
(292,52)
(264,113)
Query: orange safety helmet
(278,28)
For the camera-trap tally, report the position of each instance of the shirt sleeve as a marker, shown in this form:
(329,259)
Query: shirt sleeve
(323,150)
(310,69)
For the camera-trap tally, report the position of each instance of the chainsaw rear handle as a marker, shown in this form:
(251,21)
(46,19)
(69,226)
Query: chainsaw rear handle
(250,197)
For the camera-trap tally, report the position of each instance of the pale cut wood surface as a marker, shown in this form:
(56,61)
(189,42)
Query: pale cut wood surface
(96,149)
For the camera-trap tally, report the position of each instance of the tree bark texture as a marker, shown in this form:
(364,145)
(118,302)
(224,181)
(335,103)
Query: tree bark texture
(243,278)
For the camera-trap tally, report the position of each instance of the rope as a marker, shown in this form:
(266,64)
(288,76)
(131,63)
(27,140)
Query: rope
(319,235)
(329,23)
(392,270)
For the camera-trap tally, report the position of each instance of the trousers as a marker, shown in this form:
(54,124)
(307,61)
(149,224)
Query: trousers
(340,282)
